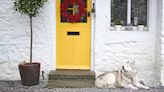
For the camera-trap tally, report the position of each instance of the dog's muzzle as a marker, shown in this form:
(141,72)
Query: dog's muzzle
(124,69)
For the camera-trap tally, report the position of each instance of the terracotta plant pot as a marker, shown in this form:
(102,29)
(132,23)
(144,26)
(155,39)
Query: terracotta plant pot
(29,73)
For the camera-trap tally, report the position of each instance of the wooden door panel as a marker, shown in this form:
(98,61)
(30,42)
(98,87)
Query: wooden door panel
(73,40)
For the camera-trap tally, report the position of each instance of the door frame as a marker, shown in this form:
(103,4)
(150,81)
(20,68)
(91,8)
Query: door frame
(54,47)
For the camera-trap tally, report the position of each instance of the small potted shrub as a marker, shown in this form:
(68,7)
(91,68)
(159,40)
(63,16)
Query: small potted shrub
(29,72)
(140,26)
(118,25)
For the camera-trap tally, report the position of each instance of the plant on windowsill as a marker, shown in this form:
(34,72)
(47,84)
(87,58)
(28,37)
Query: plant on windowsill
(141,26)
(29,72)
(118,25)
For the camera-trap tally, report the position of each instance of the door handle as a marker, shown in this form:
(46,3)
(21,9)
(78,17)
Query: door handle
(92,10)
(88,14)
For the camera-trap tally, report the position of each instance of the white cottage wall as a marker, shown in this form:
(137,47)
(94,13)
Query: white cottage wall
(115,48)
(111,50)
(158,37)
(162,41)
(15,39)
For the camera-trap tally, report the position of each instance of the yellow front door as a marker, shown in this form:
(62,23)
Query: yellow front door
(73,34)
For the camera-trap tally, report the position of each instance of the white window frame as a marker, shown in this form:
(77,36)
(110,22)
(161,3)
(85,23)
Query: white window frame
(151,15)
(129,4)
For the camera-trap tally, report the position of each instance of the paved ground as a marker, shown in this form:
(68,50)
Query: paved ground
(15,86)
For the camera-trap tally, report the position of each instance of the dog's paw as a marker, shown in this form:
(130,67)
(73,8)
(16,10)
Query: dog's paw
(147,88)
(135,88)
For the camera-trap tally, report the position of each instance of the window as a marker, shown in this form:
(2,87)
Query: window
(128,12)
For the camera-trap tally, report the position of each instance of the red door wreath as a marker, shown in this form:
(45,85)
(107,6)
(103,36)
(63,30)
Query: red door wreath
(72,17)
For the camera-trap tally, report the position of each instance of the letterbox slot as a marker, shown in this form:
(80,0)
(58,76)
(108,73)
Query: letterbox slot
(73,33)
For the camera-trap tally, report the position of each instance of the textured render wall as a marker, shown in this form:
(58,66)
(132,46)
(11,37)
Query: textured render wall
(112,49)
(162,42)
(15,39)
(158,38)
(115,48)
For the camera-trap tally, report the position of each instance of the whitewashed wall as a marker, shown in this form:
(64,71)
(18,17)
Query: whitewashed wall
(15,39)
(115,48)
(162,40)
(112,49)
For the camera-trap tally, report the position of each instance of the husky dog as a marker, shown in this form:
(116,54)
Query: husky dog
(126,78)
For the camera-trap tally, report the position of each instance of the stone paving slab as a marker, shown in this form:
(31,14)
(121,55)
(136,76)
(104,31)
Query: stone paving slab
(15,86)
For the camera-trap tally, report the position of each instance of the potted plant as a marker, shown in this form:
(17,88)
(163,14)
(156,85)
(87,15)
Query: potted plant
(29,72)
(141,26)
(118,25)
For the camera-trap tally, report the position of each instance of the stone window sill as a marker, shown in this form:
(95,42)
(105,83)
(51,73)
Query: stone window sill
(128,28)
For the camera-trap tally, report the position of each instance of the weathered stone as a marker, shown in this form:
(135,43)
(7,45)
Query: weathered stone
(71,79)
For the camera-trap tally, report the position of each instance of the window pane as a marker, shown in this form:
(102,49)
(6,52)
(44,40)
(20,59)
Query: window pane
(119,12)
(139,12)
